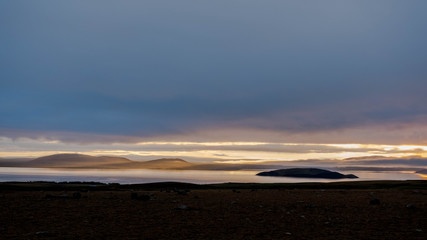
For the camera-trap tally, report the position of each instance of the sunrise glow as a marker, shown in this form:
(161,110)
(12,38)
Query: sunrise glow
(218,151)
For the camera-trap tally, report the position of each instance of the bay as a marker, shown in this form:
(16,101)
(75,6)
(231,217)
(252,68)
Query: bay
(131,176)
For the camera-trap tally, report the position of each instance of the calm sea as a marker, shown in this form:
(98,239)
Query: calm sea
(190,176)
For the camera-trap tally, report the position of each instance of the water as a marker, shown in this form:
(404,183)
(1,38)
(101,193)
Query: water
(129,176)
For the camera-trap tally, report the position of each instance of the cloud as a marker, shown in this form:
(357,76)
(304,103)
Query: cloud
(213,151)
(140,70)
(385,161)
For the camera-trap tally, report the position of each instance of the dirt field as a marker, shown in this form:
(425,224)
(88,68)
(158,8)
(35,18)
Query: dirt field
(215,214)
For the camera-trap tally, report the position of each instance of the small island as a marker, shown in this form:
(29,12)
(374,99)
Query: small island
(306,173)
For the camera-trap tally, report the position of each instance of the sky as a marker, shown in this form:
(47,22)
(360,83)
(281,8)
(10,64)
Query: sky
(287,80)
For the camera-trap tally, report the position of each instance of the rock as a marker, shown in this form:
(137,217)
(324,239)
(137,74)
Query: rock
(186,208)
(62,196)
(77,195)
(410,206)
(142,197)
(374,201)
(181,191)
(306,173)
(134,195)
(45,234)
(183,207)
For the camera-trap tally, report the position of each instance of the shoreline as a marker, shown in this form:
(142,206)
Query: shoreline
(361,184)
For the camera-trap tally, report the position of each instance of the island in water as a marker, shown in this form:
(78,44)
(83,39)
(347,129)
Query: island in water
(306,173)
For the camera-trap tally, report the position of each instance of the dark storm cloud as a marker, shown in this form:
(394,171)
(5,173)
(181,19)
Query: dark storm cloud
(147,68)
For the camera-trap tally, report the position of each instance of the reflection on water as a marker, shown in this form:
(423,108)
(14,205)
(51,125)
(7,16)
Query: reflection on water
(423,176)
(191,176)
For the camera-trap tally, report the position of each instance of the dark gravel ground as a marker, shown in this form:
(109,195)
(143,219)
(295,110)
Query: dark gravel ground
(215,214)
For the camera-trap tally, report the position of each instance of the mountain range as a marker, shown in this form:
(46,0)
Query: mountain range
(72,160)
(86,161)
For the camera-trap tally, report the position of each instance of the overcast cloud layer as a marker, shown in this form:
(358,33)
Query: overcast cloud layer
(149,68)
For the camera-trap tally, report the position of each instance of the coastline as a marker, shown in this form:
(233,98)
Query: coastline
(98,186)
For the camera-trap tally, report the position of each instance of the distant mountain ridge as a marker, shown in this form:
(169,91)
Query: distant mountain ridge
(73,160)
(164,163)
(76,160)
(423,171)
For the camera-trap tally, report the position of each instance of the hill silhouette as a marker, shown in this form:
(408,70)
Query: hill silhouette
(306,173)
(163,163)
(76,160)
(72,160)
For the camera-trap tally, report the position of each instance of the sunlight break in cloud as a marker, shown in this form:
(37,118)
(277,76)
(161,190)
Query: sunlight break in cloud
(201,151)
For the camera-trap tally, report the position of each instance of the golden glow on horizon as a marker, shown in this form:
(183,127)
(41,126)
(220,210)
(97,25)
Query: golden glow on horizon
(412,147)
(205,143)
(345,145)
(424,176)
(232,151)
(353,145)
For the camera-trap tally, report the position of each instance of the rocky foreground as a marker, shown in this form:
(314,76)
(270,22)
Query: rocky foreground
(228,213)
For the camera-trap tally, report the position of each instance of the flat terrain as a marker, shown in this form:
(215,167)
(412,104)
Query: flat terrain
(221,213)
